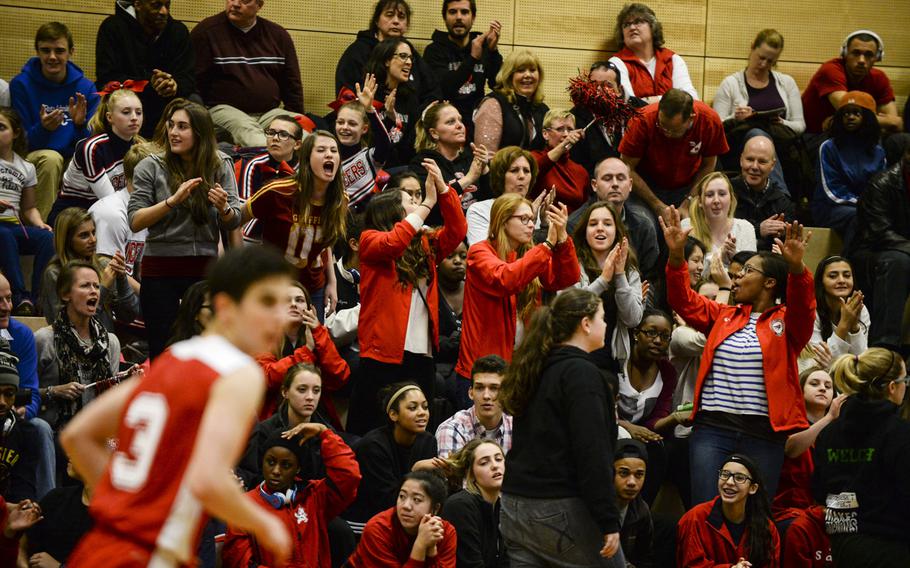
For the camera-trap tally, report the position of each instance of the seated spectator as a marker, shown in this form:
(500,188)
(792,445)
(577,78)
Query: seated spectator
(77,357)
(669,147)
(451,275)
(143,42)
(4,93)
(630,464)
(759,198)
(485,419)
(512,170)
(647,69)
(853,70)
(391,451)
(65,519)
(14,519)
(20,443)
(506,275)
(609,268)
(858,463)
(306,506)
(74,239)
(22,230)
(55,102)
(882,251)
(695,260)
(555,166)
(805,542)
(846,163)
(712,210)
(390,19)
(735,528)
(474,512)
(463,60)
(512,115)
(235,50)
(112,225)
(762,102)
(409,533)
(194,314)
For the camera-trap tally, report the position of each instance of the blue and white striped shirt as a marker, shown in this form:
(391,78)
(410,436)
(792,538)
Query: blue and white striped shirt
(736,381)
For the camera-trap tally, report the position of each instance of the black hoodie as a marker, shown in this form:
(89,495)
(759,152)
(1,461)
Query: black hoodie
(562,445)
(461,77)
(452,171)
(865,452)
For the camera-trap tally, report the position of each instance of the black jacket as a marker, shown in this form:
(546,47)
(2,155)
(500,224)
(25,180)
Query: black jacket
(866,452)
(452,170)
(755,207)
(461,78)
(562,445)
(477,524)
(123,51)
(636,535)
(515,117)
(884,214)
(18,458)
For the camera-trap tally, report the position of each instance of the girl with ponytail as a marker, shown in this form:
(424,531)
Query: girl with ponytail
(861,462)
(562,445)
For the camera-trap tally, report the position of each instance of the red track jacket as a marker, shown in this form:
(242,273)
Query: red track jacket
(703,541)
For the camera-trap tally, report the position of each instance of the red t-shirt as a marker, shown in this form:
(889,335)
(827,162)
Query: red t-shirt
(300,239)
(671,163)
(572,182)
(832,77)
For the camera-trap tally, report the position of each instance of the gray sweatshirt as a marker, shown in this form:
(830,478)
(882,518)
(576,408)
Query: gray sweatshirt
(176,234)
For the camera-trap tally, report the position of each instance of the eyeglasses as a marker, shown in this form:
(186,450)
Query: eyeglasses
(747,268)
(679,132)
(653,333)
(905,379)
(404,56)
(636,22)
(280,134)
(738,478)
(523,219)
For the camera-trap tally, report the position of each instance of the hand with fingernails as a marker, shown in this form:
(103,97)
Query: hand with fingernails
(367,92)
(773,226)
(219,198)
(78,108)
(183,192)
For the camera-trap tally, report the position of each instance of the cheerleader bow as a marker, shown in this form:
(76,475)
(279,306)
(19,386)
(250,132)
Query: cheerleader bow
(129,85)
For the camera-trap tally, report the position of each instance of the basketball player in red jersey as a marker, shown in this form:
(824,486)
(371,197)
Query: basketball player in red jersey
(181,428)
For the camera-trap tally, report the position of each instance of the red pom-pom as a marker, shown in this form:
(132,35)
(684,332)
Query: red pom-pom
(607,107)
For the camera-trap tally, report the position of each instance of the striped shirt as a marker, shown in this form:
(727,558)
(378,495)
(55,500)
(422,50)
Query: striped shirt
(96,169)
(736,381)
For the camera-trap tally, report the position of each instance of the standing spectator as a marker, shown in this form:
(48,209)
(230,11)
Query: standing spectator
(22,230)
(759,198)
(561,461)
(463,60)
(630,465)
(246,67)
(647,68)
(55,102)
(858,463)
(747,395)
(556,169)
(669,147)
(512,115)
(184,196)
(143,42)
(485,419)
(882,251)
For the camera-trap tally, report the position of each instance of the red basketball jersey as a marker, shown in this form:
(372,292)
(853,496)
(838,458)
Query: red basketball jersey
(143,497)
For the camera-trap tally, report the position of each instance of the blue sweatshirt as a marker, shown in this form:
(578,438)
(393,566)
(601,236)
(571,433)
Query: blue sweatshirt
(30,90)
(844,170)
(22,343)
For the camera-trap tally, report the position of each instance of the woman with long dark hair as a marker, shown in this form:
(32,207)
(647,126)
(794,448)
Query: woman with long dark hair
(561,458)
(391,63)
(733,529)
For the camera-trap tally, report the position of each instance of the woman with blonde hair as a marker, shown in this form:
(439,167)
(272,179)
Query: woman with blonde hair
(711,217)
(861,461)
(512,115)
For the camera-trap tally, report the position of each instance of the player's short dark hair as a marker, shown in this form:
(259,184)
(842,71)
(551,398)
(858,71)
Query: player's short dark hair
(240,268)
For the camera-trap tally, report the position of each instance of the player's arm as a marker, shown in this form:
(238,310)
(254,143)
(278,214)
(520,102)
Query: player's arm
(223,432)
(85,437)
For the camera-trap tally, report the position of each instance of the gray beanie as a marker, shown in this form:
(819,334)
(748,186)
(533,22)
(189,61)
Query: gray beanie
(9,373)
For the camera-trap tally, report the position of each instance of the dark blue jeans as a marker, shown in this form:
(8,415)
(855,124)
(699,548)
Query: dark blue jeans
(160,298)
(16,240)
(709,448)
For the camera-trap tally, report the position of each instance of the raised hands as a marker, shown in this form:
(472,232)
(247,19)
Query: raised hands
(367,92)
(719,273)
(390,105)
(218,197)
(729,248)
(850,312)
(557,218)
(674,235)
(78,109)
(183,192)
(793,247)
(479,165)
(434,185)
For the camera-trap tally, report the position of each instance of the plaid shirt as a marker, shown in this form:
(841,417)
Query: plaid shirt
(463,427)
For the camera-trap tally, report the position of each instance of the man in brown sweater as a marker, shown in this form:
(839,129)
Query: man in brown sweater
(246,67)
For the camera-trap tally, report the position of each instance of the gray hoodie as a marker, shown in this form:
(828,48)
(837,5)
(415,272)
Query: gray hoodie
(176,234)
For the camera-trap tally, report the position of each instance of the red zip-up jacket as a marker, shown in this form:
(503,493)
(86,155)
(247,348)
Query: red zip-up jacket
(314,505)
(806,544)
(703,541)
(335,373)
(640,78)
(384,303)
(782,332)
(492,285)
(384,544)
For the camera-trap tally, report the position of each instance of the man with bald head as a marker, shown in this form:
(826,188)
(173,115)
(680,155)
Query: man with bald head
(759,198)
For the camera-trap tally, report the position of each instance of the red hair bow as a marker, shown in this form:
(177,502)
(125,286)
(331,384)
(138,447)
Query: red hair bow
(129,85)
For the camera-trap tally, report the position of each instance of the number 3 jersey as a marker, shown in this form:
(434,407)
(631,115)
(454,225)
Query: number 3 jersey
(299,238)
(143,497)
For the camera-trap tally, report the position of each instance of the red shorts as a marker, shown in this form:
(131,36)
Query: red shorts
(99,548)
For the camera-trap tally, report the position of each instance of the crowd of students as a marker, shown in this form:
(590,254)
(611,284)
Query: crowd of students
(550,319)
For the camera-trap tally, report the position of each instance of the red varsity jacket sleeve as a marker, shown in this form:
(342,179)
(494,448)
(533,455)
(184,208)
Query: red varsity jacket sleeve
(499,278)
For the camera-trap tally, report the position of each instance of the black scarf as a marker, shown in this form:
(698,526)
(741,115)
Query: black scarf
(78,362)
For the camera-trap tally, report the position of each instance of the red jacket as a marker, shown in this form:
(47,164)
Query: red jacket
(573,184)
(640,78)
(9,547)
(384,303)
(806,545)
(314,505)
(782,331)
(795,486)
(492,285)
(335,373)
(384,544)
(703,541)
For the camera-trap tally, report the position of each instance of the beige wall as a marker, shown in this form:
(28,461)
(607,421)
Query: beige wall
(568,35)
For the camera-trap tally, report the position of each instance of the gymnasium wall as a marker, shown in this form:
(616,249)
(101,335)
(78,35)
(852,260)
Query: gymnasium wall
(712,35)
